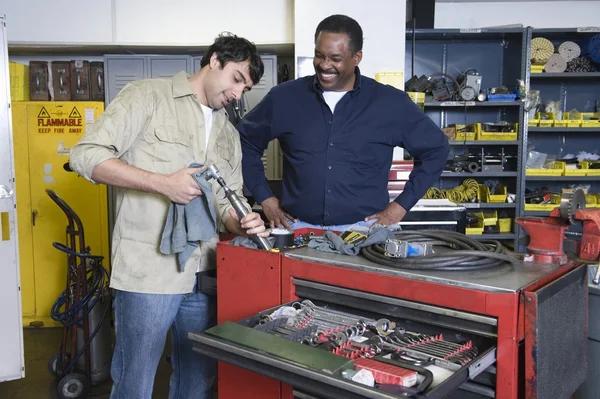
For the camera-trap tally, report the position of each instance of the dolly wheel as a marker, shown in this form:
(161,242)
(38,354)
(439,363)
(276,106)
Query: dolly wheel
(73,386)
(54,366)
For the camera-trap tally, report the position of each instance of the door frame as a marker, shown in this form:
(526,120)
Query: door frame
(12,363)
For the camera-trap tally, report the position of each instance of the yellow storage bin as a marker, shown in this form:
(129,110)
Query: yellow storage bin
(560,123)
(395,79)
(19,81)
(556,170)
(417,98)
(502,136)
(499,196)
(505,225)
(44,133)
(591,201)
(588,119)
(490,218)
(464,132)
(540,207)
(589,172)
(533,122)
(569,170)
(478,229)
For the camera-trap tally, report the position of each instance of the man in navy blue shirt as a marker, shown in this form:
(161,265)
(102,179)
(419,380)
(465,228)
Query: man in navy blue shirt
(337,131)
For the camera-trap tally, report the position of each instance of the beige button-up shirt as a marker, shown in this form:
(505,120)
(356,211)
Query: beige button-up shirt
(158,125)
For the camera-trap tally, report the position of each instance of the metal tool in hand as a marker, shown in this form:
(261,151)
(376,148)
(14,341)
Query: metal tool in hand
(212,172)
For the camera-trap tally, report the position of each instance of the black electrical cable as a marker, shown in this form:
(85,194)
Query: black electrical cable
(461,253)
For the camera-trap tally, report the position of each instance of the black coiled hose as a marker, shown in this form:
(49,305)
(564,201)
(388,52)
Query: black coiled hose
(463,253)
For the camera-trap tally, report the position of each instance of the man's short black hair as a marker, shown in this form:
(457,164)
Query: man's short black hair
(343,24)
(231,48)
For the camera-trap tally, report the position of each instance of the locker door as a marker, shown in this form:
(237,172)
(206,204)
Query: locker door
(268,81)
(49,150)
(11,330)
(167,66)
(120,70)
(196,64)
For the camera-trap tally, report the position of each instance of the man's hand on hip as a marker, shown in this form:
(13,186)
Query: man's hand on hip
(392,214)
(276,215)
(251,223)
(181,187)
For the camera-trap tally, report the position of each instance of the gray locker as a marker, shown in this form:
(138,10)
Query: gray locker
(167,66)
(120,70)
(196,64)
(268,81)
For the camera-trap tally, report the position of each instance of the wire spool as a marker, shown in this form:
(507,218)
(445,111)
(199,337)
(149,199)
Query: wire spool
(580,64)
(569,50)
(541,50)
(594,48)
(556,64)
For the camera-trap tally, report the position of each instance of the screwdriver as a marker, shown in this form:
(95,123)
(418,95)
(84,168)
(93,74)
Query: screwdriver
(236,203)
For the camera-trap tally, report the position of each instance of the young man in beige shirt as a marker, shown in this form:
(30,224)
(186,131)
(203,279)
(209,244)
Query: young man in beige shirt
(142,145)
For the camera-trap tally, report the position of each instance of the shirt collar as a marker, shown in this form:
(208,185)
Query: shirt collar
(181,85)
(357,81)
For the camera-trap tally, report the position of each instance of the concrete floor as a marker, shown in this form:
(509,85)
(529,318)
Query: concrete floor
(40,345)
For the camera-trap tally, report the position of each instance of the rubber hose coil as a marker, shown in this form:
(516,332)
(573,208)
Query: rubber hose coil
(459,252)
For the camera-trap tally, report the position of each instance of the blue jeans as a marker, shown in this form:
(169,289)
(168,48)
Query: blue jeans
(141,323)
(362,226)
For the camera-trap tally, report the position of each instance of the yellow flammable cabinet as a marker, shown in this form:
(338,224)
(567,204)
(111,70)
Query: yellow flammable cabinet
(44,133)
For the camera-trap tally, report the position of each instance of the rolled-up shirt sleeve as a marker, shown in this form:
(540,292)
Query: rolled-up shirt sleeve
(115,130)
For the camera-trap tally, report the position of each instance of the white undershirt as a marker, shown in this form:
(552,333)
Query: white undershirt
(332,98)
(208,119)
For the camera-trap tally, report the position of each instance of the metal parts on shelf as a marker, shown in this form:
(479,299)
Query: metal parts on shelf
(570,203)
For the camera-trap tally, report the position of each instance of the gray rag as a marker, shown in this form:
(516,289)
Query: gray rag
(188,224)
(331,242)
(248,242)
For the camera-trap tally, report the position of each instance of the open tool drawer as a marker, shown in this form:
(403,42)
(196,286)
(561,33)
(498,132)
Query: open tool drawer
(315,372)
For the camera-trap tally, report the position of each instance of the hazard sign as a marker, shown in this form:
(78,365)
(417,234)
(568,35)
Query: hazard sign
(74,113)
(43,113)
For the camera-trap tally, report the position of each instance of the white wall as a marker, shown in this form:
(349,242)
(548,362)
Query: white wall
(381,22)
(199,22)
(151,22)
(45,21)
(538,14)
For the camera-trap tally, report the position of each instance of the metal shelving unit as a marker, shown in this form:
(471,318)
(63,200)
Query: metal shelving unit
(501,59)
(484,142)
(469,104)
(566,75)
(574,90)
(567,130)
(480,174)
(564,179)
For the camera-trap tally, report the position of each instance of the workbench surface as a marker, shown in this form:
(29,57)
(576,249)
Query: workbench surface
(501,279)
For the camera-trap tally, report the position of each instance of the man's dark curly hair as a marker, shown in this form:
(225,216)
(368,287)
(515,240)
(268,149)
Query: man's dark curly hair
(232,48)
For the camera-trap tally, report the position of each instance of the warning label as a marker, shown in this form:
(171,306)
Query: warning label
(75,114)
(43,113)
(55,122)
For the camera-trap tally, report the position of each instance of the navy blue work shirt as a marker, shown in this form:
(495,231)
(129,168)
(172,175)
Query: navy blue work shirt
(336,166)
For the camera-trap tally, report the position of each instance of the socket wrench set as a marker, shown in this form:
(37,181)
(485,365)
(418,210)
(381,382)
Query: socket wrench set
(394,355)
